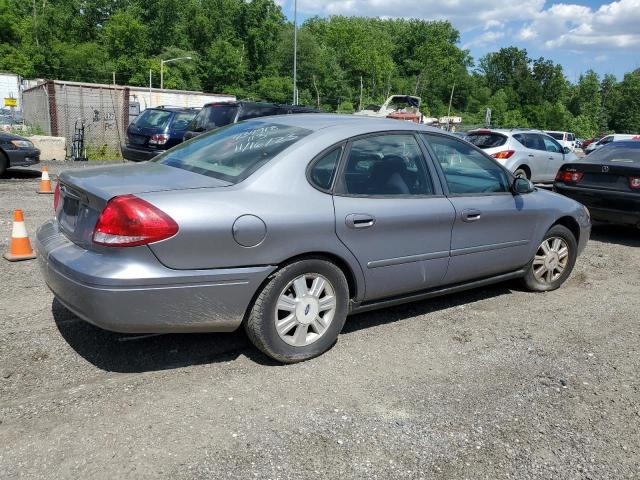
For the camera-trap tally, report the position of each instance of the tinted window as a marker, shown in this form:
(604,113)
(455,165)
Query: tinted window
(572,137)
(535,141)
(606,140)
(551,145)
(215,116)
(615,153)
(467,171)
(324,170)
(152,118)
(232,153)
(386,165)
(181,120)
(486,140)
(251,110)
(556,135)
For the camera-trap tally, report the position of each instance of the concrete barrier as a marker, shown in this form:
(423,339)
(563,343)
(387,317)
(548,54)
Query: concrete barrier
(51,148)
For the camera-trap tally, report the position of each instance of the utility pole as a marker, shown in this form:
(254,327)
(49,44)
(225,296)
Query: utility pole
(295,52)
(449,112)
(162,62)
(360,104)
(149,105)
(114,78)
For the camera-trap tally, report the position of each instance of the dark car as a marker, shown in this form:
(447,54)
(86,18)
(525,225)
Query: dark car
(155,131)
(16,151)
(216,115)
(607,183)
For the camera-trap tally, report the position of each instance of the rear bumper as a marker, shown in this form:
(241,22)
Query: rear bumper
(139,154)
(130,291)
(23,157)
(604,205)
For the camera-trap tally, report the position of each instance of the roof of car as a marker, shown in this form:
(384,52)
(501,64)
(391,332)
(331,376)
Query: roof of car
(318,121)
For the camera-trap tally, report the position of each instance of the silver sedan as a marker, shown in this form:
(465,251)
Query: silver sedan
(286,225)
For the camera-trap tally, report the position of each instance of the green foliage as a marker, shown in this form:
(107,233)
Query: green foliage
(245,47)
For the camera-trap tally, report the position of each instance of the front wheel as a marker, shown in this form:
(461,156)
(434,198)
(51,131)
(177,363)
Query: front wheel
(553,261)
(299,313)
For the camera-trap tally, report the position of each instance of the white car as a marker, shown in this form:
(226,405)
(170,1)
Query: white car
(616,137)
(566,139)
(527,153)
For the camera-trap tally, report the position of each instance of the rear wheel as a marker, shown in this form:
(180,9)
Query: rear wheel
(300,311)
(553,261)
(522,173)
(4,163)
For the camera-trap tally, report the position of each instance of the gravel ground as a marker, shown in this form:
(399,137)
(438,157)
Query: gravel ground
(493,383)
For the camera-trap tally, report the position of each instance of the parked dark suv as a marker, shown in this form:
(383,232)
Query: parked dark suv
(215,115)
(156,130)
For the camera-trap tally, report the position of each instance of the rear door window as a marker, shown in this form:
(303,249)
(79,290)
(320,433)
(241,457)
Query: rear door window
(486,139)
(232,153)
(386,165)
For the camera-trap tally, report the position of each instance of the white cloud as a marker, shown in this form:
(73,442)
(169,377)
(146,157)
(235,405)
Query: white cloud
(566,26)
(465,14)
(576,27)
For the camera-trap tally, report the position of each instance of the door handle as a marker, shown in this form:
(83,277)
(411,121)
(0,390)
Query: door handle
(531,155)
(360,220)
(471,215)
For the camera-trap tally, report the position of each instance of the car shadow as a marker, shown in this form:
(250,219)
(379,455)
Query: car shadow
(123,353)
(20,174)
(618,234)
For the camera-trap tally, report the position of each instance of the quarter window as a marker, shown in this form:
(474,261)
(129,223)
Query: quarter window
(324,169)
(386,165)
(466,170)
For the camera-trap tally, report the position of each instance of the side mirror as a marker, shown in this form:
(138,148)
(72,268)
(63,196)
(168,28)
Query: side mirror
(566,150)
(522,185)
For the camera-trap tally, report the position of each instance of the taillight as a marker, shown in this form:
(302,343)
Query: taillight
(56,197)
(158,139)
(569,177)
(504,154)
(634,182)
(128,221)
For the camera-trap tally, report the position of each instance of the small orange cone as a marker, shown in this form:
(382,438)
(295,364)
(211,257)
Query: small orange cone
(20,248)
(45,182)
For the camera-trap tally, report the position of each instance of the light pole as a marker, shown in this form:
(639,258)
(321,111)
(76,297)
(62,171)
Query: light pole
(162,62)
(295,52)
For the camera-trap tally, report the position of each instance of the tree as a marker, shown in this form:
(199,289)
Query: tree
(627,114)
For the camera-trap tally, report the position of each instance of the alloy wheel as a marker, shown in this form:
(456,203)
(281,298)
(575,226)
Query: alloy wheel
(551,260)
(305,309)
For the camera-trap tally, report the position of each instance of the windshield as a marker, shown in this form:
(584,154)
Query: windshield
(556,135)
(486,140)
(234,152)
(152,118)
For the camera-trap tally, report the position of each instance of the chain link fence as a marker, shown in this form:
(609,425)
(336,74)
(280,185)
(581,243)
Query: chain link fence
(61,108)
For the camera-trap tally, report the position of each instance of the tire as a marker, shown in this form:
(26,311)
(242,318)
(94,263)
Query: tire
(521,172)
(4,163)
(538,280)
(294,345)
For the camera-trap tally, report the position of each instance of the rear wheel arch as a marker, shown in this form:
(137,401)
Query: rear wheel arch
(342,264)
(525,168)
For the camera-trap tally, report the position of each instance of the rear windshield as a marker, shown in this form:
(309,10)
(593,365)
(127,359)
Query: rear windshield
(615,153)
(486,140)
(234,152)
(151,118)
(181,120)
(556,135)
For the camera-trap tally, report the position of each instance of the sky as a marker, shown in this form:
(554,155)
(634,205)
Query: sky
(603,36)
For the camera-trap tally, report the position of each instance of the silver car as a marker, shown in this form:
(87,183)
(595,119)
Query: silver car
(531,154)
(288,224)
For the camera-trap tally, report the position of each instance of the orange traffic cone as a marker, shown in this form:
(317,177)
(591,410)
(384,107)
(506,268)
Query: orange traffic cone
(45,182)
(20,245)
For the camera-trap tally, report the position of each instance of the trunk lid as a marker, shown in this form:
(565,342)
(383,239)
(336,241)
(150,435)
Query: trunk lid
(84,193)
(606,176)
